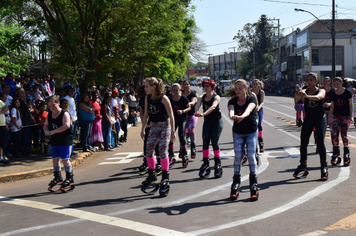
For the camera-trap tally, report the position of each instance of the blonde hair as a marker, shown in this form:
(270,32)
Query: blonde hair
(159,90)
(176,85)
(230,92)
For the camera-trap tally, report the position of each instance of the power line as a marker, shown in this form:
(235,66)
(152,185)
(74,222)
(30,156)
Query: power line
(220,44)
(311,4)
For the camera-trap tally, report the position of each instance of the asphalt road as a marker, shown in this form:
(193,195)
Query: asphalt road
(107,199)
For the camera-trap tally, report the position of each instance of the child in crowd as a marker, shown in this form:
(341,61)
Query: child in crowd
(116,127)
(123,116)
(132,118)
(42,116)
(64,104)
(33,121)
(16,126)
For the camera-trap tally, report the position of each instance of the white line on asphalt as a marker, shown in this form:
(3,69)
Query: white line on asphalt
(315,233)
(129,156)
(264,165)
(99,218)
(343,175)
(293,117)
(267,108)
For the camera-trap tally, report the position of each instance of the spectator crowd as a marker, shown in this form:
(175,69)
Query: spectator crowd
(99,118)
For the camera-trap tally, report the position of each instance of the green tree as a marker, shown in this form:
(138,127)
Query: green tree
(128,39)
(13,56)
(255,42)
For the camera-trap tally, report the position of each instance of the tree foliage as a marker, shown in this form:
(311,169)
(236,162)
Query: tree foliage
(255,42)
(127,39)
(13,56)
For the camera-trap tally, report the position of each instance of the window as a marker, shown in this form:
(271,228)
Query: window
(323,56)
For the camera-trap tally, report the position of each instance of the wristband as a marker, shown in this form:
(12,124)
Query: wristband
(172,132)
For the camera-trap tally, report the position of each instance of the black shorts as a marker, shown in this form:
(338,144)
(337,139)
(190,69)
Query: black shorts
(3,132)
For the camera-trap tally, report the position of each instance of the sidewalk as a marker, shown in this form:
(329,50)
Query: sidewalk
(39,165)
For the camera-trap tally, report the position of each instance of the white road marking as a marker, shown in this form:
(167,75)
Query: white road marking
(99,218)
(315,233)
(292,151)
(129,156)
(344,175)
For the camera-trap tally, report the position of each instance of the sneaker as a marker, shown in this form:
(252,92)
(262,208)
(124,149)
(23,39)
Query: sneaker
(4,162)
(17,157)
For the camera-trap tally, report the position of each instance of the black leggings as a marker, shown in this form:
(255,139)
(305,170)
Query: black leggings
(320,128)
(181,125)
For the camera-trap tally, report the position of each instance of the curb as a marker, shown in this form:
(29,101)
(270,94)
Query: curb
(41,172)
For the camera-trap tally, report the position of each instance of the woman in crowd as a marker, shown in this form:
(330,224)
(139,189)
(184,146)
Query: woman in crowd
(96,137)
(192,119)
(243,111)
(314,117)
(106,122)
(86,112)
(257,88)
(341,111)
(180,106)
(158,109)
(212,128)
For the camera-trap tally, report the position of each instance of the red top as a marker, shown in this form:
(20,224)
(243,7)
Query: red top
(97,107)
(42,116)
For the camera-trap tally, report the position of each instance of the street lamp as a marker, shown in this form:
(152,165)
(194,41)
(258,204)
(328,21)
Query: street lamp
(332,29)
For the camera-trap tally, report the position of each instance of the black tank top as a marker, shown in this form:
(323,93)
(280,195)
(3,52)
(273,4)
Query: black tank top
(259,97)
(191,95)
(328,97)
(314,108)
(215,114)
(64,138)
(156,110)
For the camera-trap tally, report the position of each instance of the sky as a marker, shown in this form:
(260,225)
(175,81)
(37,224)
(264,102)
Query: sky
(219,20)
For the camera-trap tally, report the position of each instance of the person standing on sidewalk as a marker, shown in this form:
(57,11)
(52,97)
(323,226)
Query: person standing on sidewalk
(3,128)
(58,126)
(72,109)
(158,109)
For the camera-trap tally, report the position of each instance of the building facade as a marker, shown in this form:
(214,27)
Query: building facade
(310,49)
(224,66)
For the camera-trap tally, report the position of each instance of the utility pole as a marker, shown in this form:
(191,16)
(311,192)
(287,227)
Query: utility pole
(333,66)
(278,44)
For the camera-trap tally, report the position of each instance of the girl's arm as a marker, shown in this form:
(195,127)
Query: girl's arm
(144,119)
(351,106)
(168,106)
(319,96)
(197,106)
(212,108)
(262,100)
